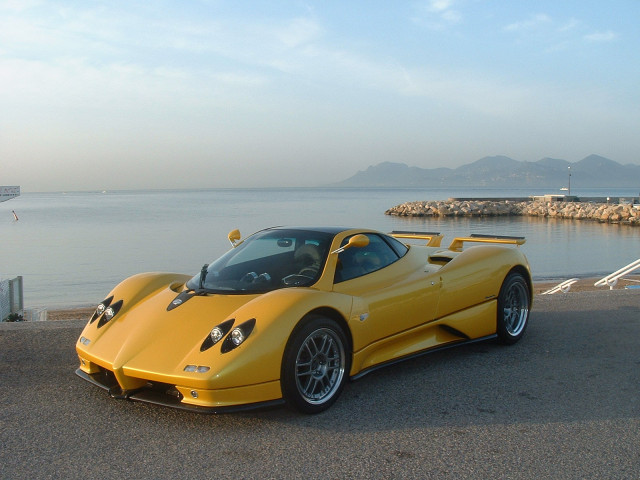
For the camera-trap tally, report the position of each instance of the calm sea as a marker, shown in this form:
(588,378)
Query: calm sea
(72,248)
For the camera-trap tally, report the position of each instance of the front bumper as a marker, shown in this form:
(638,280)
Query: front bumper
(186,398)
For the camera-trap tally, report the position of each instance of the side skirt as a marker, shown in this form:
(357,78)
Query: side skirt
(420,354)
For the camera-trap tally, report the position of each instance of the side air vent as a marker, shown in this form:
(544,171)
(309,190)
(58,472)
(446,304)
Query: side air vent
(441,258)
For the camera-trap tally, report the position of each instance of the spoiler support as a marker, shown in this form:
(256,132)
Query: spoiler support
(433,238)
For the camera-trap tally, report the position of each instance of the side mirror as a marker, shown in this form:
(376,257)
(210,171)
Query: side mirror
(358,241)
(234,236)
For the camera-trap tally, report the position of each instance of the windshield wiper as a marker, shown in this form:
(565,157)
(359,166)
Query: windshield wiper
(203,275)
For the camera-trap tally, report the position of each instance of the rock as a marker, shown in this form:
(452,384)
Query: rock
(572,210)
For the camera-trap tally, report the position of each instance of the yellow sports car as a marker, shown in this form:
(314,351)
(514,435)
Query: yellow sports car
(290,314)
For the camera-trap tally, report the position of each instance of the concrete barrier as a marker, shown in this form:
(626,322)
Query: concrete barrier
(11,298)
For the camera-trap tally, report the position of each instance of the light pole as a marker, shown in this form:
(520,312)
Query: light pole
(569,180)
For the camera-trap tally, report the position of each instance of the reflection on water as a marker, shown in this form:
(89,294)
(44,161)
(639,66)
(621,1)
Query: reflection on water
(73,248)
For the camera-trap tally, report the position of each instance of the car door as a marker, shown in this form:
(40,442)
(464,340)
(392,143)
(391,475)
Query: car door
(393,293)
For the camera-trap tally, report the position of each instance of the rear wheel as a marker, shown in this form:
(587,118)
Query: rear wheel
(513,308)
(315,365)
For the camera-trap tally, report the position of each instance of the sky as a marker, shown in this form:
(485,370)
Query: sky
(105,95)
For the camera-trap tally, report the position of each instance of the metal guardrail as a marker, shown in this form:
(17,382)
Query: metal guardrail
(11,298)
(563,287)
(612,279)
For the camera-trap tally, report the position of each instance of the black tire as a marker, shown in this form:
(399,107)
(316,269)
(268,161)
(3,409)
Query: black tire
(315,365)
(514,303)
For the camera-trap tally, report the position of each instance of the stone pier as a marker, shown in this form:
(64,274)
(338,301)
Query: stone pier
(615,213)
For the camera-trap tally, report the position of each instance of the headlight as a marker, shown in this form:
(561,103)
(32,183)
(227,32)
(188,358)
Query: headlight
(100,309)
(217,333)
(109,312)
(238,335)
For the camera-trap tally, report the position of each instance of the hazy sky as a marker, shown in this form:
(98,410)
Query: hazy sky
(161,94)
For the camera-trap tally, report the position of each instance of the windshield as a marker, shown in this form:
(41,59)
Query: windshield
(266,261)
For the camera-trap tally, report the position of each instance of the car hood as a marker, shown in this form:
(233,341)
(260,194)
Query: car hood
(146,339)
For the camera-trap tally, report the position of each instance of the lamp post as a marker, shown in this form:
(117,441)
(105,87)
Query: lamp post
(569,180)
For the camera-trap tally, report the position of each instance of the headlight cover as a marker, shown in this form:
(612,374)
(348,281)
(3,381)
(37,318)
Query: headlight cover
(238,335)
(110,312)
(101,308)
(217,333)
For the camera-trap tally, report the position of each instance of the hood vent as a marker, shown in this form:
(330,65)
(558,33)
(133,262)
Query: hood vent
(180,299)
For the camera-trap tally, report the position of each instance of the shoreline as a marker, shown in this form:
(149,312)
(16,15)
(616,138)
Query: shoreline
(582,285)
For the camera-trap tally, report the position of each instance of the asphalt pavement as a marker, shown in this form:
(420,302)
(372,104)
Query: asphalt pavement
(562,403)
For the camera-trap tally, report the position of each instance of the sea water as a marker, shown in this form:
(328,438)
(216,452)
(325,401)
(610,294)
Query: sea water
(73,248)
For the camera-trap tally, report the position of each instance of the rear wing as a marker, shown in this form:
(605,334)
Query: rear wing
(433,238)
(458,242)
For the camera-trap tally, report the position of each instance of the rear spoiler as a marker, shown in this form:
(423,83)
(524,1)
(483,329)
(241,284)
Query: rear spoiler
(456,244)
(434,239)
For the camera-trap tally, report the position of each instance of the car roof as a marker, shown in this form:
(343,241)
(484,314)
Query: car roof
(330,230)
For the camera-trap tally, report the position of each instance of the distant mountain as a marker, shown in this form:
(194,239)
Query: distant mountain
(593,171)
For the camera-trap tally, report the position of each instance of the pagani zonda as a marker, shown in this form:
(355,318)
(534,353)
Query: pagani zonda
(290,314)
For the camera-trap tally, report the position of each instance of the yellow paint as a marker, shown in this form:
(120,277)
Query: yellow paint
(431,297)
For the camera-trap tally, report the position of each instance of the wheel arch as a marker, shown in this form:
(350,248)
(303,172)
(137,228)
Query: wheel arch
(522,270)
(512,314)
(309,324)
(337,317)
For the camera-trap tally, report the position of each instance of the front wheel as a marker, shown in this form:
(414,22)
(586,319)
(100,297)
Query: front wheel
(513,308)
(315,365)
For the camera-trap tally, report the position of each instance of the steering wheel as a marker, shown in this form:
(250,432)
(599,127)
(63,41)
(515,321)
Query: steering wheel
(308,272)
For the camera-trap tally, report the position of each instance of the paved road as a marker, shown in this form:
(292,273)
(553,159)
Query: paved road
(562,403)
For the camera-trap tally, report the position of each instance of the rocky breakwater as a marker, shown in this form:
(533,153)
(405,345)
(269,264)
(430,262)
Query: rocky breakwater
(606,213)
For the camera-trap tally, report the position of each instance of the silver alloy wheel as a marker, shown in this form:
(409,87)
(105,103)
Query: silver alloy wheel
(516,308)
(320,365)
